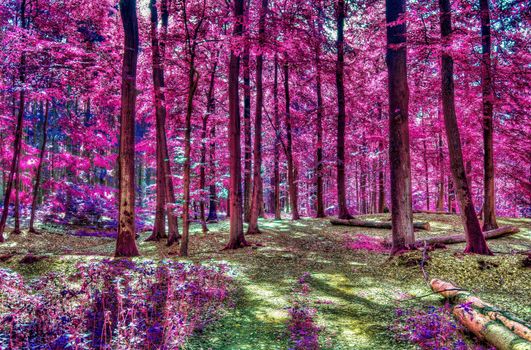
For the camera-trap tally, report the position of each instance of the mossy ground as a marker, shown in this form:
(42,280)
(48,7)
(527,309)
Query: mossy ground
(355,292)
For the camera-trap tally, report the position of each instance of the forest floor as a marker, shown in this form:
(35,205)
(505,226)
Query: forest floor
(356,292)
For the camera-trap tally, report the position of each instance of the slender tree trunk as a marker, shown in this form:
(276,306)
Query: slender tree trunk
(276,161)
(341,115)
(475,241)
(39,169)
(319,122)
(256,203)
(212,211)
(16,230)
(193,78)
(426,174)
(400,164)
(292,178)
(489,207)
(159,227)
(247,184)
(126,244)
(381,174)
(236,239)
(173,222)
(440,163)
(212,215)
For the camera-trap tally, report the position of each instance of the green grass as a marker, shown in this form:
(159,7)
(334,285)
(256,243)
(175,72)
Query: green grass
(355,292)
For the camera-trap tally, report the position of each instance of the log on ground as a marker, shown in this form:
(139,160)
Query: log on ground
(375,224)
(452,239)
(497,327)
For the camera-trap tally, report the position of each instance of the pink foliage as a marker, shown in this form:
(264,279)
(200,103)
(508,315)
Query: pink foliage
(365,242)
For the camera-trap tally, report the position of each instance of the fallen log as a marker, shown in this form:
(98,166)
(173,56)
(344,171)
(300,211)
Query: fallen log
(433,212)
(497,327)
(375,224)
(460,238)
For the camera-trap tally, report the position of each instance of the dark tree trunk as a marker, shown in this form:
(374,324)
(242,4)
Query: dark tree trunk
(17,147)
(193,78)
(400,164)
(440,185)
(212,208)
(381,174)
(173,223)
(247,184)
(276,161)
(39,169)
(426,174)
(125,243)
(256,203)
(236,239)
(159,227)
(292,177)
(212,215)
(16,230)
(475,241)
(489,206)
(341,114)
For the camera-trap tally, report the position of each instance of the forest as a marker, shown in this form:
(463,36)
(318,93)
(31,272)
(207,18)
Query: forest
(265,174)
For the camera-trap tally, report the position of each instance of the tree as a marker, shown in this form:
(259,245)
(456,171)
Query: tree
(341,114)
(396,58)
(125,243)
(292,169)
(17,147)
(476,242)
(39,169)
(489,207)
(247,163)
(276,160)
(236,238)
(256,203)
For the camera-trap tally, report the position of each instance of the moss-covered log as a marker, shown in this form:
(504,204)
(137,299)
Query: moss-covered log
(376,224)
(452,239)
(497,327)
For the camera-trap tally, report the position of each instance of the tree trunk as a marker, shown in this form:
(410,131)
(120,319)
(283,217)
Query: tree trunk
(292,178)
(159,227)
(193,78)
(16,230)
(247,185)
(489,207)
(276,161)
(236,239)
(400,164)
(319,168)
(426,174)
(497,327)
(341,114)
(125,243)
(440,162)
(475,241)
(211,103)
(256,203)
(39,169)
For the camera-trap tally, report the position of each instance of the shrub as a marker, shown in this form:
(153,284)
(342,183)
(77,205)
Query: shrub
(111,305)
(304,333)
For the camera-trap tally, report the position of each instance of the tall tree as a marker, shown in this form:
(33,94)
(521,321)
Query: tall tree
(191,34)
(319,121)
(159,227)
(489,207)
(276,160)
(125,243)
(247,163)
(256,203)
(476,242)
(292,171)
(17,146)
(341,114)
(236,239)
(211,105)
(396,59)
(39,169)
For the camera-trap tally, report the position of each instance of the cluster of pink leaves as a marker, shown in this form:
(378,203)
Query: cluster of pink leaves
(304,332)
(111,303)
(365,242)
(431,328)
